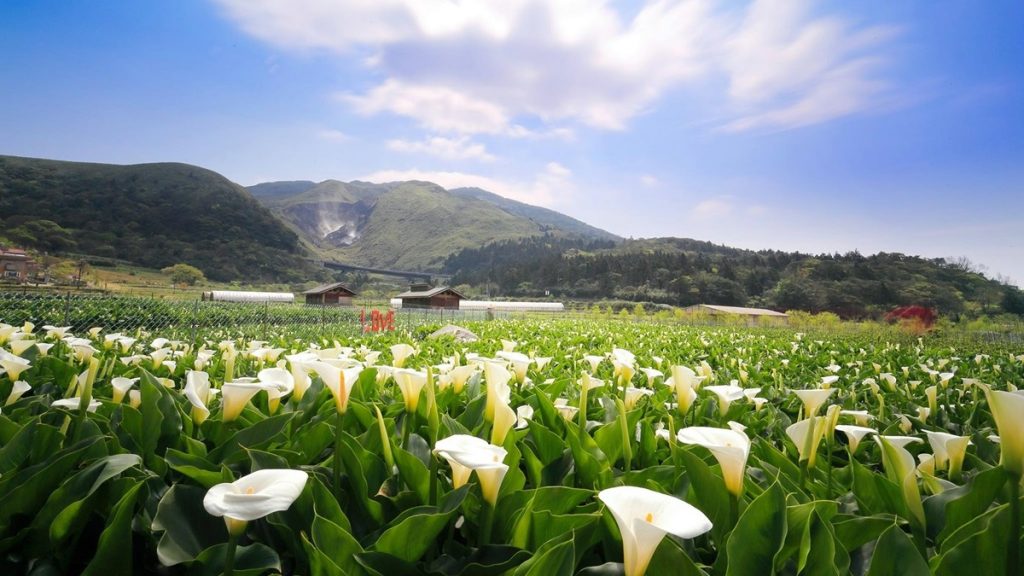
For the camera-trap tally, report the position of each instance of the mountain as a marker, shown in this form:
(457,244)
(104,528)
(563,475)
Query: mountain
(276,189)
(408,225)
(154,215)
(545,218)
(682,271)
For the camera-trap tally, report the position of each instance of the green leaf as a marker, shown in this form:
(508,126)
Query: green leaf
(413,472)
(187,527)
(320,563)
(557,556)
(896,555)
(414,531)
(197,468)
(670,558)
(338,544)
(114,551)
(707,493)
(856,531)
(252,560)
(60,514)
(759,534)
(258,435)
(483,561)
(953,508)
(978,547)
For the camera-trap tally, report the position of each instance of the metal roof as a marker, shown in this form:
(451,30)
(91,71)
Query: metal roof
(328,288)
(741,310)
(429,293)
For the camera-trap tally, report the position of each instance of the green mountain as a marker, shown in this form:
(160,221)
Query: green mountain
(409,225)
(682,272)
(545,218)
(277,189)
(154,215)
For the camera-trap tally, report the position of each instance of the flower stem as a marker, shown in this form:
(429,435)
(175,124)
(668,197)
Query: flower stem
(1013,562)
(487,525)
(337,453)
(229,555)
(432,497)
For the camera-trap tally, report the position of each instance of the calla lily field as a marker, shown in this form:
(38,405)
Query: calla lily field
(546,447)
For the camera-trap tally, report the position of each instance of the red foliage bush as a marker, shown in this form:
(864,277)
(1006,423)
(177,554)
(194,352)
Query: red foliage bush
(919,314)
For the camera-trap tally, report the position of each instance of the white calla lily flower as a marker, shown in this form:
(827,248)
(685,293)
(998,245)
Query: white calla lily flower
(731,447)
(644,517)
(256,495)
(17,391)
(813,399)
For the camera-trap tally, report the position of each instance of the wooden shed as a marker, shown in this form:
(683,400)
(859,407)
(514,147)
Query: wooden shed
(336,294)
(422,296)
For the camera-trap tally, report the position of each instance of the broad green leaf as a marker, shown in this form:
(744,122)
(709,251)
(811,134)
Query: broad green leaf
(896,555)
(187,528)
(114,551)
(253,560)
(337,544)
(758,534)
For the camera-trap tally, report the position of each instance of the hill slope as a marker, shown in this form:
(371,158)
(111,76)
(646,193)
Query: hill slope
(154,215)
(409,225)
(682,272)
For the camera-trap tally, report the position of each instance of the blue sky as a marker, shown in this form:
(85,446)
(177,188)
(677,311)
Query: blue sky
(788,124)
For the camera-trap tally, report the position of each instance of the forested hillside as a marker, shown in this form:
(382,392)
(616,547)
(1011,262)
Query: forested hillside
(154,215)
(684,272)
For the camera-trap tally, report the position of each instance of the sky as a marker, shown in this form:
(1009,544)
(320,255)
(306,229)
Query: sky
(818,126)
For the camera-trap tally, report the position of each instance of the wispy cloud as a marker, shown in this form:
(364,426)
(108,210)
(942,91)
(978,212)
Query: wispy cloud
(332,135)
(446,148)
(550,187)
(485,67)
(713,208)
(649,180)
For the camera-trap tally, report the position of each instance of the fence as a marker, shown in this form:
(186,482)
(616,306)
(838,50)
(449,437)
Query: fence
(194,318)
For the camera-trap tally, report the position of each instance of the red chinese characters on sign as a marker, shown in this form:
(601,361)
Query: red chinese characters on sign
(379,322)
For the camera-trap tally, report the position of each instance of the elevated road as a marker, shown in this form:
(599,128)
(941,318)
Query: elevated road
(407,274)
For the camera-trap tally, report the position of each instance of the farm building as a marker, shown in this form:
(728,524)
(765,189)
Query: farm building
(501,306)
(752,315)
(238,296)
(16,265)
(423,296)
(336,294)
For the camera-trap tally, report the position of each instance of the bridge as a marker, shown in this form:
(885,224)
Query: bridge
(407,274)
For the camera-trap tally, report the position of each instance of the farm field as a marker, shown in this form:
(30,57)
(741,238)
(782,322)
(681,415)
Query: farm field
(545,447)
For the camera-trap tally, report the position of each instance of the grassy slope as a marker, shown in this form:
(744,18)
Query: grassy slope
(152,214)
(545,218)
(417,224)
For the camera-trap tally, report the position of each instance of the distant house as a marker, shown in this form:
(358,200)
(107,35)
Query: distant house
(336,294)
(16,265)
(753,315)
(423,296)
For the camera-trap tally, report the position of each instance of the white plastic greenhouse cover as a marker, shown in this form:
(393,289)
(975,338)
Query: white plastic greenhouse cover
(396,302)
(238,296)
(511,306)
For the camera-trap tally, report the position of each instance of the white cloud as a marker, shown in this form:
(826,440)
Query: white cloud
(550,187)
(486,67)
(713,208)
(649,180)
(332,135)
(447,148)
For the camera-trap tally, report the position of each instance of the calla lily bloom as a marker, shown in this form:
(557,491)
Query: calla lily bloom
(20,346)
(730,447)
(17,391)
(457,443)
(652,374)
(411,383)
(497,377)
(198,393)
(520,363)
(487,460)
(899,466)
(56,332)
(685,382)
(813,399)
(644,517)
(338,381)
(508,345)
(121,387)
(949,451)
(235,395)
(299,370)
(1007,410)
(524,414)
(13,365)
(460,375)
(254,496)
(541,362)
(400,353)
(594,361)
(806,435)
(860,417)
(568,412)
(504,419)
(854,434)
(727,394)
(75,404)
(633,395)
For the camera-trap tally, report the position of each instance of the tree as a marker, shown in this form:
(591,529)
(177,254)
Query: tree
(184,275)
